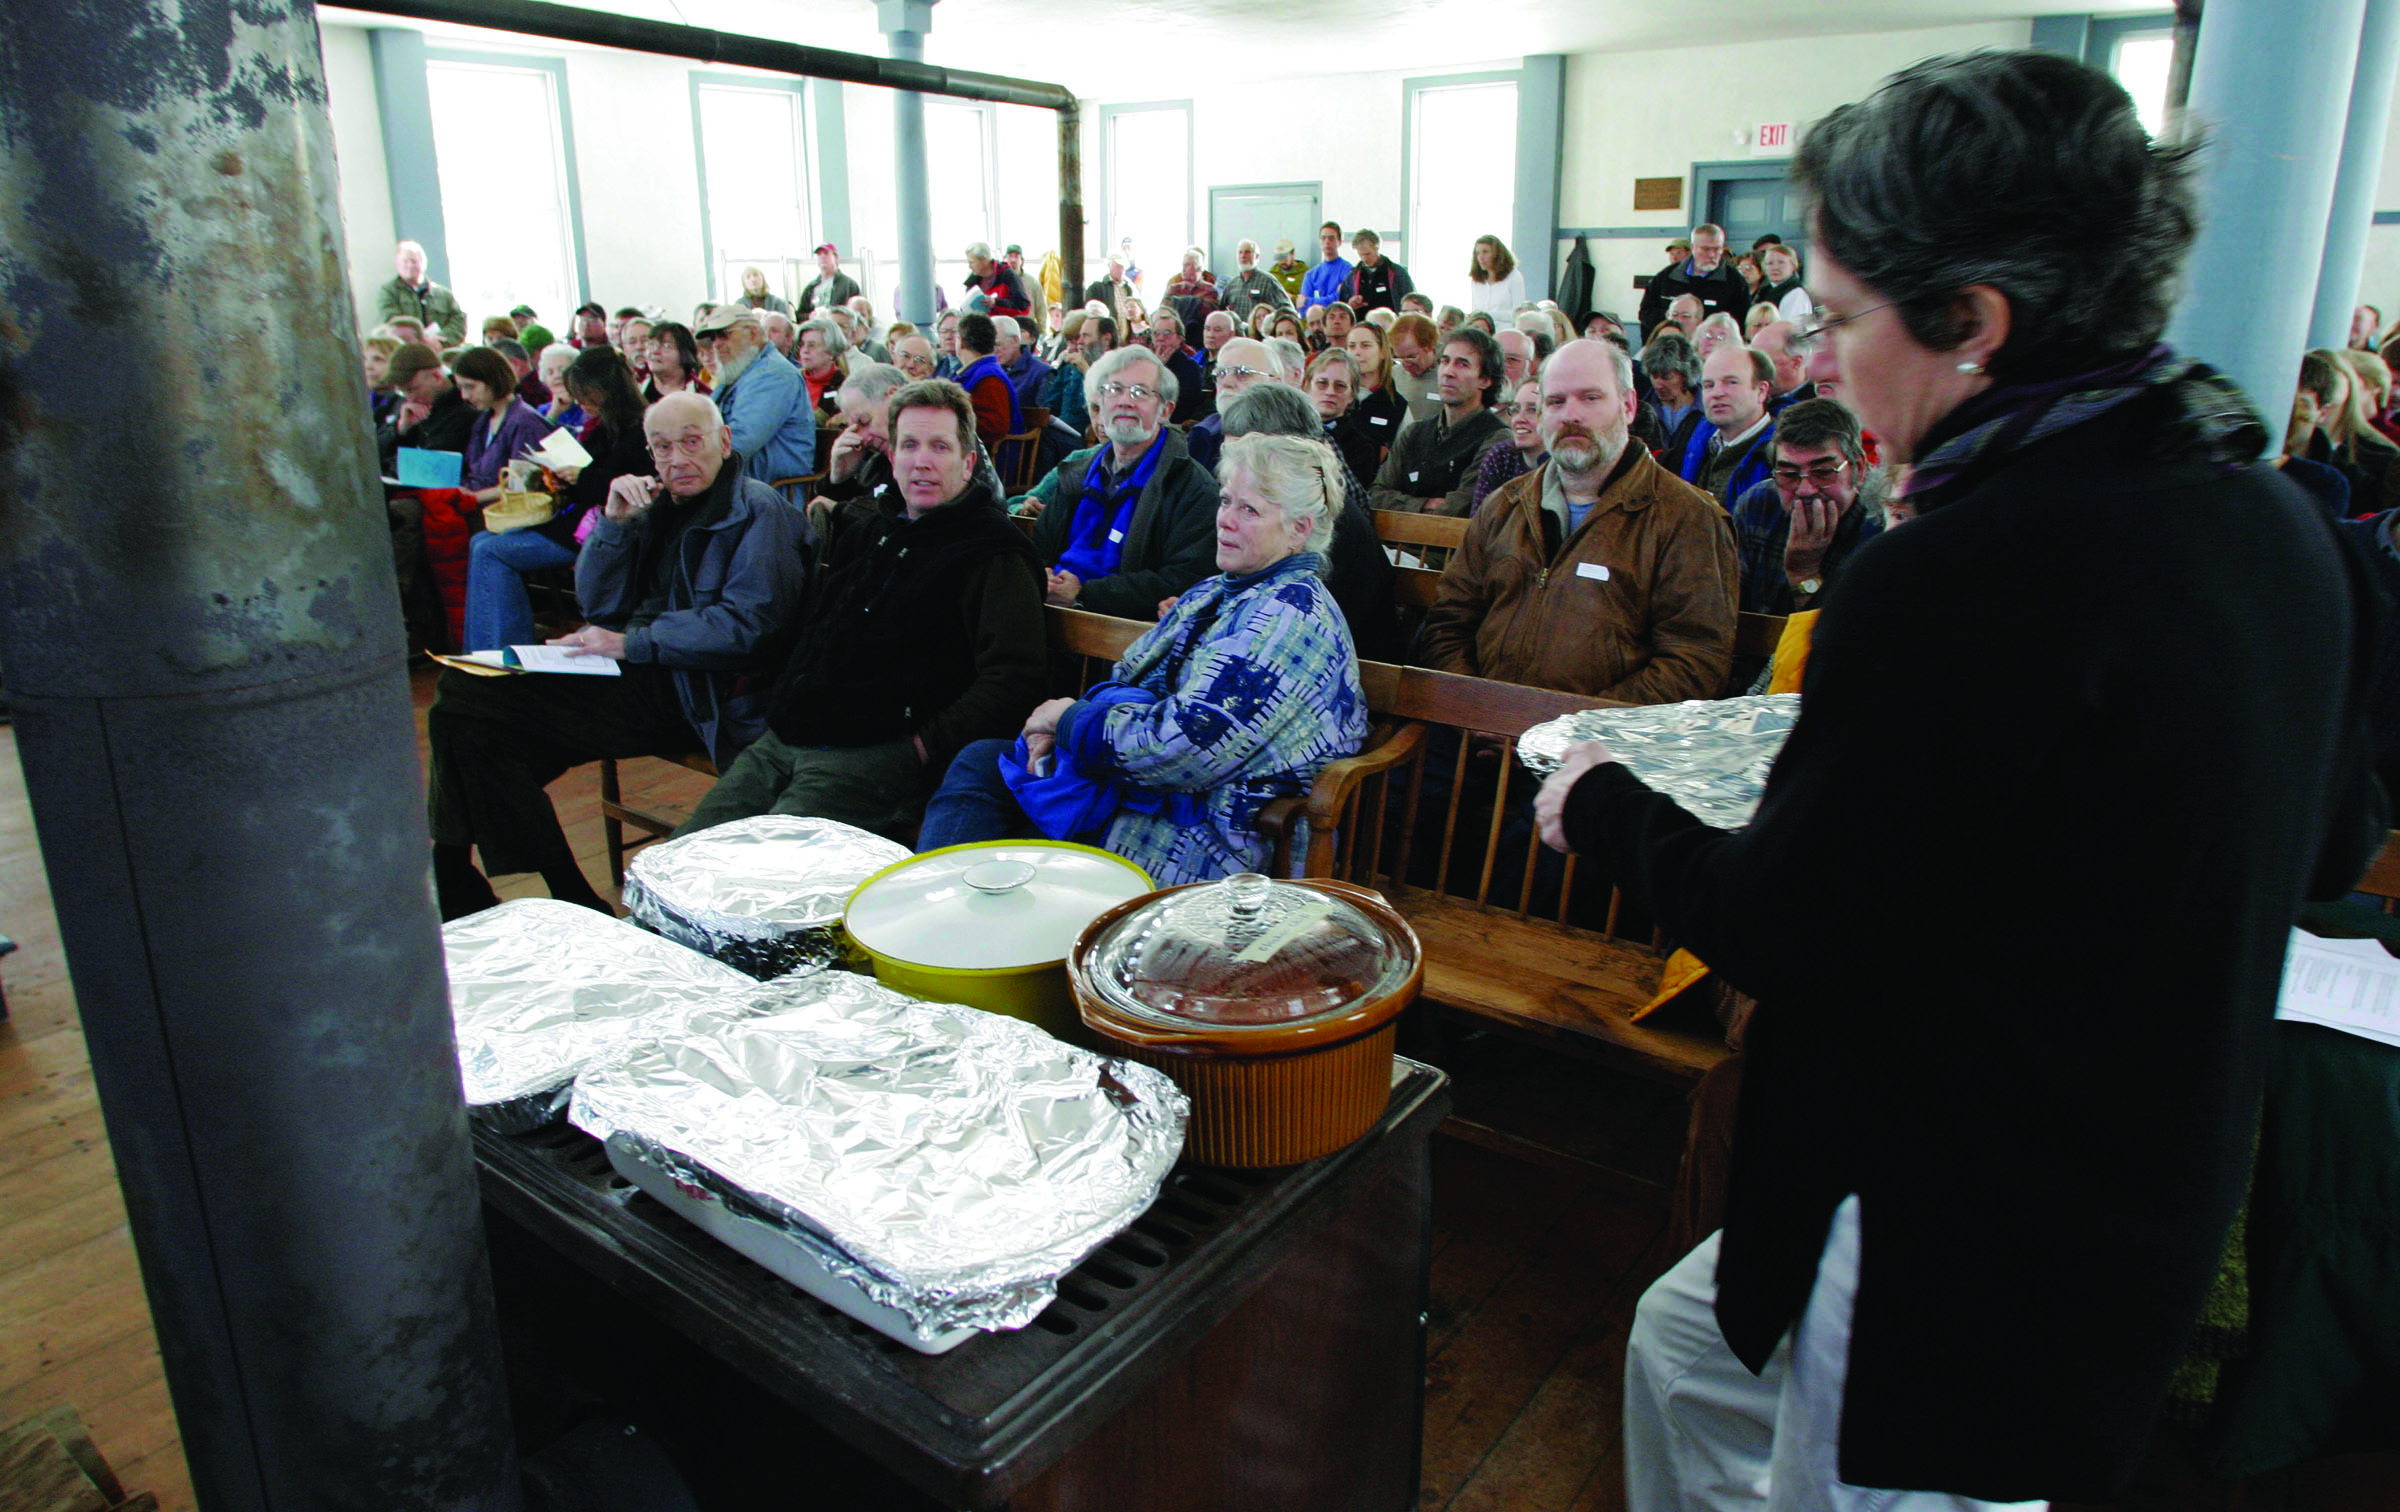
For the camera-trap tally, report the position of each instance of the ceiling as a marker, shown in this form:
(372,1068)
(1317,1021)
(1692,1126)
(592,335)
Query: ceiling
(1134,49)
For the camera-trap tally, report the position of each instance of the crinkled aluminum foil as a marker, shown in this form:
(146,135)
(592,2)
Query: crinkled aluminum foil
(1710,755)
(951,1163)
(764,895)
(540,989)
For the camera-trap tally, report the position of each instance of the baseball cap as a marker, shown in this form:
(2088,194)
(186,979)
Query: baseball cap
(829,247)
(1013,247)
(723,317)
(414,357)
(525,310)
(1283,245)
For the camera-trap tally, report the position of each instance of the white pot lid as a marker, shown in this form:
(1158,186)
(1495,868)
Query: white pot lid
(994,906)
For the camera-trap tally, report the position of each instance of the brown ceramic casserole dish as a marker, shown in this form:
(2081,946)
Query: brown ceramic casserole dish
(1272,1004)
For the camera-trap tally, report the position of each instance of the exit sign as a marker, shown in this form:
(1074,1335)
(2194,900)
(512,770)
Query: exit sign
(1775,135)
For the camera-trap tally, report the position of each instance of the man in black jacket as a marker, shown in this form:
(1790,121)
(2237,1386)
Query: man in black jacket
(926,633)
(1705,275)
(1431,468)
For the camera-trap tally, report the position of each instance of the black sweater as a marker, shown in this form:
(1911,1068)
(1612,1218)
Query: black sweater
(929,627)
(2074,744)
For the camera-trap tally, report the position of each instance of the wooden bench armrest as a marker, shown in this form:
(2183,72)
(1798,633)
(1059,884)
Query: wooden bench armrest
(1340,779)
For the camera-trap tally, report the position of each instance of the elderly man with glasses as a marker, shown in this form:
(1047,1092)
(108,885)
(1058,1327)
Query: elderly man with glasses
(688,581)
(1133,520)
(1239,363)
(1797,529)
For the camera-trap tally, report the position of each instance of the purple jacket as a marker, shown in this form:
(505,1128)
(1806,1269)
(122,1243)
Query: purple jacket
(490,448)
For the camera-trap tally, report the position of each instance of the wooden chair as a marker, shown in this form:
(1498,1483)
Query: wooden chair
(615,815)
(1428,538)
(1021,452)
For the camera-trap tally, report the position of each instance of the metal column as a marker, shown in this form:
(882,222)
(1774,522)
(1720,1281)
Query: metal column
(905,23)
(2270,87)
(203,651)
(2360,171)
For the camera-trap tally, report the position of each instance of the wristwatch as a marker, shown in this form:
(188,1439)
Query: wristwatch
(1809,587)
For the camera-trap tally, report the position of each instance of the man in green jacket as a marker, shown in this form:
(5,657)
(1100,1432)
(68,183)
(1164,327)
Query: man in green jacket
(418,297)
(1132,522)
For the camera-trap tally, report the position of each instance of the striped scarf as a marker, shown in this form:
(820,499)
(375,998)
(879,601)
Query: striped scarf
(2216,417)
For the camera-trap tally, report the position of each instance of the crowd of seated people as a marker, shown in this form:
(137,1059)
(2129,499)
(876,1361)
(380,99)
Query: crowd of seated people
(1624,501)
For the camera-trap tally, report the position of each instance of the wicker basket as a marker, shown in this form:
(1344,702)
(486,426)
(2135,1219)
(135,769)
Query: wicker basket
(519,511)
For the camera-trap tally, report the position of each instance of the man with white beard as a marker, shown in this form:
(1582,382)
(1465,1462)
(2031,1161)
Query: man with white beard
(1133,520)
(761,394)
(1601,538)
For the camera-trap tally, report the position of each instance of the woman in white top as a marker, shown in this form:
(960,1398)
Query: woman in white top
(1782,266)
(1494,284)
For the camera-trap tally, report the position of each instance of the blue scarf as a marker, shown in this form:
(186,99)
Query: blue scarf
(1067,803)
(1096,536)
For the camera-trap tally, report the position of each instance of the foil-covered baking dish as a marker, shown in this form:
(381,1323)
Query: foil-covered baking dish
(540,989)
(764,895)
(950,1164)
(1710,755)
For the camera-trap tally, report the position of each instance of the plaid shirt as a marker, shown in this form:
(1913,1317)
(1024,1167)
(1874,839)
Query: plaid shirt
(1760,528)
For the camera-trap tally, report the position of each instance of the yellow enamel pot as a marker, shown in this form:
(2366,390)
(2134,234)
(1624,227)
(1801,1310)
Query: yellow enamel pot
(990,925)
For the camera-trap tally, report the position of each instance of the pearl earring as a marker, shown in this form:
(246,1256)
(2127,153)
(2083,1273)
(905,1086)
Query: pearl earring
(1970,366)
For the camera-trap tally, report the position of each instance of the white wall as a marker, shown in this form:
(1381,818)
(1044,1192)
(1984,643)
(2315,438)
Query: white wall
(366,191)
(1654,114)
(640,178)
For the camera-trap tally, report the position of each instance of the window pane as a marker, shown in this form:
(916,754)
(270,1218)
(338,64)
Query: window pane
(1149,193)
(2141,65)
(1464,150)
(751,142)
(504,208)
(956,156)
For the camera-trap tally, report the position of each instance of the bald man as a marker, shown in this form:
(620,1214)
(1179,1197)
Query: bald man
(1240,363)
(683,652)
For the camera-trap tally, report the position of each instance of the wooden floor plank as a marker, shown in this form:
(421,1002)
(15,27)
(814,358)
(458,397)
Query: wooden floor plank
(1478,1384)
(103,1374)
(62,1226)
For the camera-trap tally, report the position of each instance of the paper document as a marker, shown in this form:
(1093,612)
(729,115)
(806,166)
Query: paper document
(558,450)
(431,469)
(564,659)
(2351,985)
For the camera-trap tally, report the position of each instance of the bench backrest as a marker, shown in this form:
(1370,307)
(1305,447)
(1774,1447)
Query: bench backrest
(1429,539)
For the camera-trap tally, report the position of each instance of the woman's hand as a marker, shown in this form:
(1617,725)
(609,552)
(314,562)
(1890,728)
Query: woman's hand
(591,640)
(567,474)
(1550,804)
(1044,719)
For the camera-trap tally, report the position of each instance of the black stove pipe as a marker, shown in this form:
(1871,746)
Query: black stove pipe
(203,651)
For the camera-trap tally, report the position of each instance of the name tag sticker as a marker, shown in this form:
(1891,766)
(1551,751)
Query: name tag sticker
(1119,535)
(1381,420)
(1412,477)
(1592,570)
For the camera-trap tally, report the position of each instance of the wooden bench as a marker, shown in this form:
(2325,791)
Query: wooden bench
(1428,538)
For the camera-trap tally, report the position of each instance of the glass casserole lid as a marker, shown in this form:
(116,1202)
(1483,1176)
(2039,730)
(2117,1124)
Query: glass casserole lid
(1250,954)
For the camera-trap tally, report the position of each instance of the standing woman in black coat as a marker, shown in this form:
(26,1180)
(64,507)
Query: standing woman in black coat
(2076,742)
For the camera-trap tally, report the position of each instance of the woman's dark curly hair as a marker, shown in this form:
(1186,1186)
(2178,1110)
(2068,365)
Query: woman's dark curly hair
(2025,171)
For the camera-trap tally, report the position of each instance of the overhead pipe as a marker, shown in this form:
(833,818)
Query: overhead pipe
(204,657)
(568,23)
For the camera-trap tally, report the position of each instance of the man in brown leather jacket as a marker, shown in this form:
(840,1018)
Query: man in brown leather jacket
(1599,572)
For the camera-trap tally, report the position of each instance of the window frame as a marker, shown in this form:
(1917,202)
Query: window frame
(1410,89)
(1109,114)
(808,152)
(555,66)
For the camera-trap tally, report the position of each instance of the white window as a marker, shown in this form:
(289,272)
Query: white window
(1462,182)
(1149,187)
(959,177)
(2141,62)
(754,150)
(505,202)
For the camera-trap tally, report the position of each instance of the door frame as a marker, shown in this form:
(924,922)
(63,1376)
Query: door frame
(1315,187)
(1706,176)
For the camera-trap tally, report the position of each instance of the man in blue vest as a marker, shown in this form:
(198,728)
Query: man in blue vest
(1732,451)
